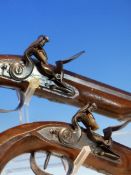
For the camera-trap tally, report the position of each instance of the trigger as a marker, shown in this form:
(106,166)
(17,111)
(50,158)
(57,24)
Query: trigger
(35,168)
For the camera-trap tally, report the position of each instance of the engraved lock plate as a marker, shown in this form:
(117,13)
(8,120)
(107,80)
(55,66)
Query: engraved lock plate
(17,71)
(63,136)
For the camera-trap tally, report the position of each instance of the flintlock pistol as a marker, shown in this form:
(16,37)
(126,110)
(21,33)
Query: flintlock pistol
(66,141)
(60,85)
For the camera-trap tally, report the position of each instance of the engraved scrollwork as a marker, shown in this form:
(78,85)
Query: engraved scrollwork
(66,136)
(20,71)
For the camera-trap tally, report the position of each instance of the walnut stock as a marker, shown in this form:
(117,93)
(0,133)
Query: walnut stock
(24,139)
(110,101)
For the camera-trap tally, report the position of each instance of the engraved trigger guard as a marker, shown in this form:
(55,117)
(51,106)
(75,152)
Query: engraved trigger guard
(38,171)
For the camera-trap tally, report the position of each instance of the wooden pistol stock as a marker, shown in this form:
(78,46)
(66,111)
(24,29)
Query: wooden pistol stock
(47,136)
(110,101)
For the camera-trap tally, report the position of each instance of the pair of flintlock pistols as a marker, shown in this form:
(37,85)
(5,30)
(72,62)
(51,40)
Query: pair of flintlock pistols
(62,139)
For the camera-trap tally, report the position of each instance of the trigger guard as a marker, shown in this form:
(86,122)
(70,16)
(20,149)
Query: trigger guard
(38,171)
(34,166)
